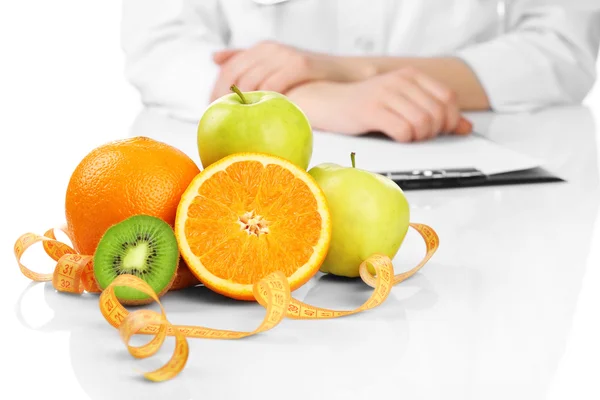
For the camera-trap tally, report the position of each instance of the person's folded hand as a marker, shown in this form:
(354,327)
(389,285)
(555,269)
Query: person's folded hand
(271,66)
(405,105)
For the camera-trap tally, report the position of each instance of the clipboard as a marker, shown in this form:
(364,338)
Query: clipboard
(467,177)
(445,162)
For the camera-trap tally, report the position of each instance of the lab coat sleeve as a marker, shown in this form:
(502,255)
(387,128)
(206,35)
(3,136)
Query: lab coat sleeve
(546,57)
(168,46)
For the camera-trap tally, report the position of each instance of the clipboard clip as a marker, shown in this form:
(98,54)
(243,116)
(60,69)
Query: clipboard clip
(432,178)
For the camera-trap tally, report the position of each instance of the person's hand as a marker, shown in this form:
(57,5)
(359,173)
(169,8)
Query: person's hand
(273,66)
(405,105)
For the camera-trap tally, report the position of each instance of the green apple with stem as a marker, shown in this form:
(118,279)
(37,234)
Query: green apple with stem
(258,122)
(369,214)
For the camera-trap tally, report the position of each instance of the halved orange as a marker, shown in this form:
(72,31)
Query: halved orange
(249,215)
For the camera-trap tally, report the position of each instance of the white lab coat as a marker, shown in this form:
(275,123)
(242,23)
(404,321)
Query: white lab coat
(526,53)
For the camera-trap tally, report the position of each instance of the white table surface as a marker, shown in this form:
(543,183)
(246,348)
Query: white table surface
(508,308)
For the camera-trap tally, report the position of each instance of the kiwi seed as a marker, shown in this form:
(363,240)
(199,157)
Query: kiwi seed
(143,246)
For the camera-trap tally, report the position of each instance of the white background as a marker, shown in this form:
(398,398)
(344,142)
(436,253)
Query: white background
(62,92)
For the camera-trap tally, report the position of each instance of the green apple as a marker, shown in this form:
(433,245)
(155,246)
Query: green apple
(369,214)
(257,122)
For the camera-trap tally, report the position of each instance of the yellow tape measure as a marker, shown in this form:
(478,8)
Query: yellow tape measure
(74,274)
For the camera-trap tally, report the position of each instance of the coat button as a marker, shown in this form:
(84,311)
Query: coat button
(365,44)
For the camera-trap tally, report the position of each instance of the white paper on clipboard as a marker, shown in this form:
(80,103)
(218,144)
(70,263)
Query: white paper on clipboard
(379,154)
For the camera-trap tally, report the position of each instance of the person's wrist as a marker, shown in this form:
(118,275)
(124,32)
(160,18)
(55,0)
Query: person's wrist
(344,107)
(326,103)
(356,69)
(342,69)
(363,69)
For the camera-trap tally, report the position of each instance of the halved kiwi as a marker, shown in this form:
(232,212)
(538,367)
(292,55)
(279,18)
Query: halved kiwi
(143,246)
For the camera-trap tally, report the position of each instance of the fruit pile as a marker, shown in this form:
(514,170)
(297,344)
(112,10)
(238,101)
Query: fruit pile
(141,211)
(144,208)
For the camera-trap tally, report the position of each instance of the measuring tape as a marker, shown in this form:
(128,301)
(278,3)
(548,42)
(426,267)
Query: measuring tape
(74,273)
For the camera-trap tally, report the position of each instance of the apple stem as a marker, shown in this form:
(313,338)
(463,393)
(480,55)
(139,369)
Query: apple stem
(353,158)
(236,90)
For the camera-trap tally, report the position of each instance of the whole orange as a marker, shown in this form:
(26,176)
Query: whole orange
(123,178)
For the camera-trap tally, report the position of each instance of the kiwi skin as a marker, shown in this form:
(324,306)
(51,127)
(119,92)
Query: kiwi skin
(119,236)
(150,299)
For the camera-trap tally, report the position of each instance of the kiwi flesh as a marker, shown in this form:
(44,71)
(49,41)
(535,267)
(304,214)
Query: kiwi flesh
(141,245)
